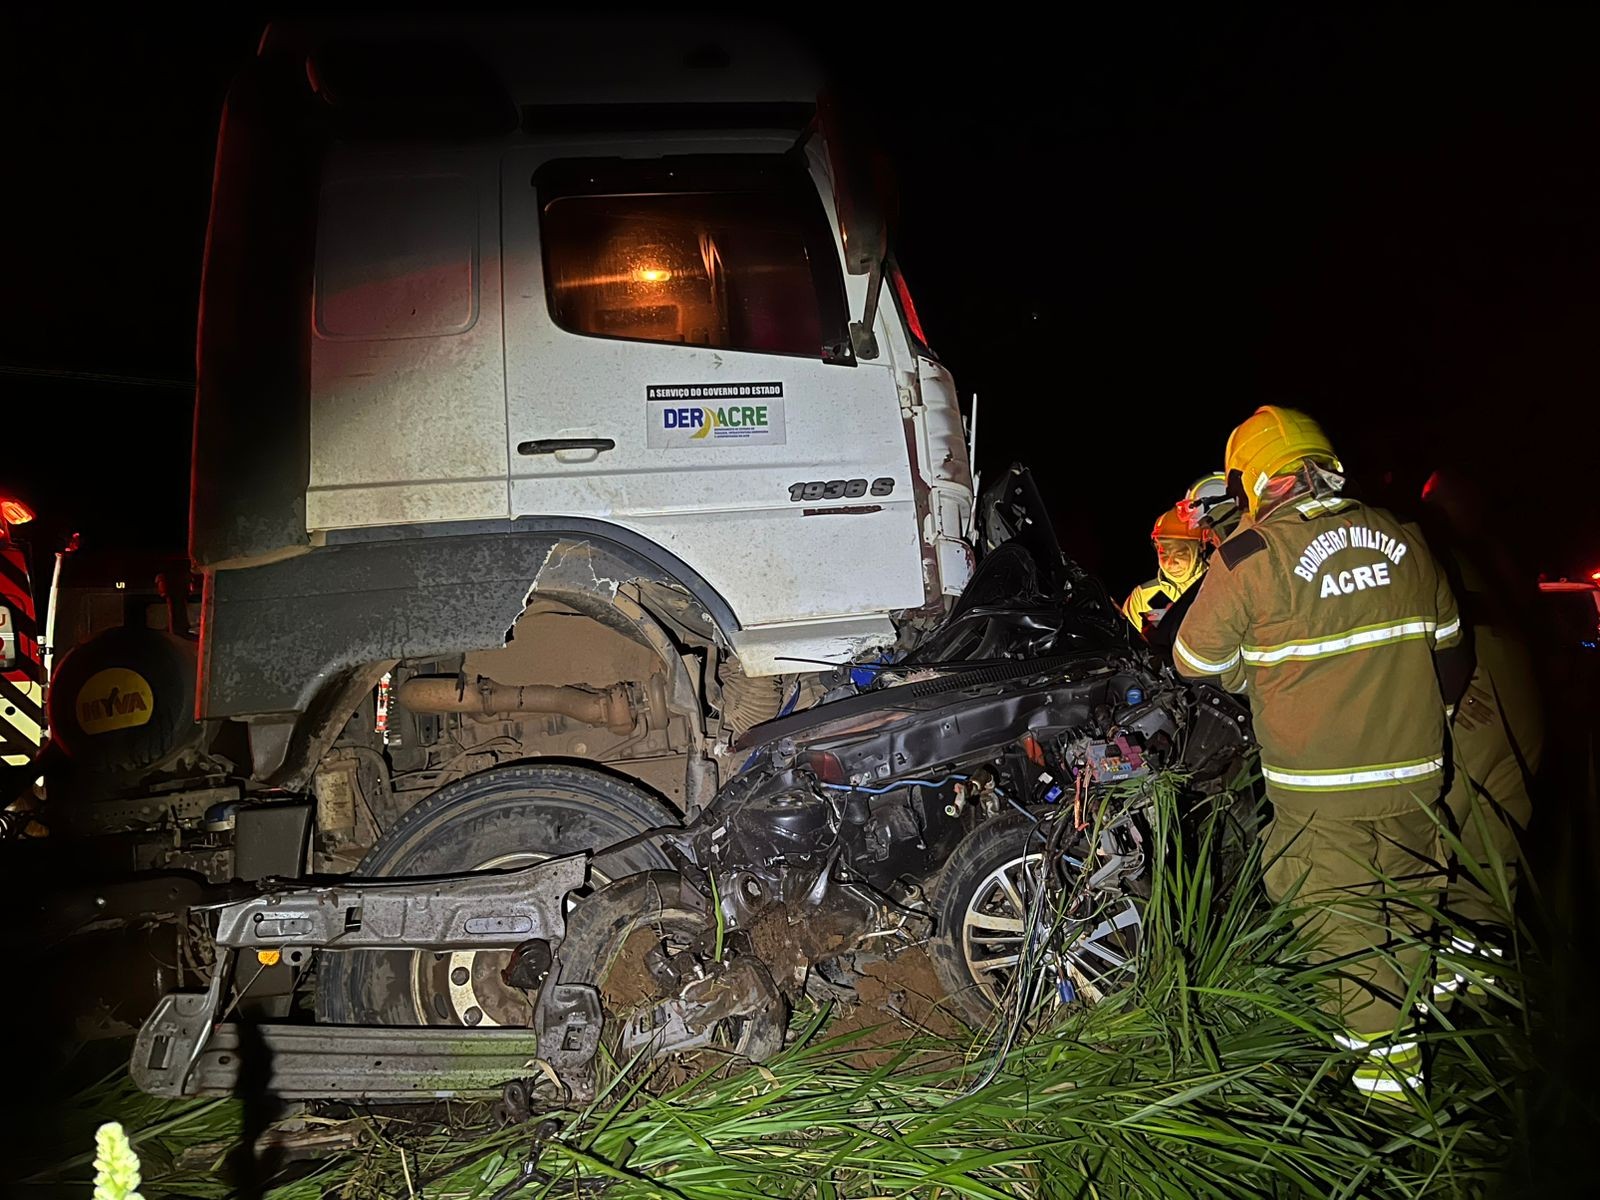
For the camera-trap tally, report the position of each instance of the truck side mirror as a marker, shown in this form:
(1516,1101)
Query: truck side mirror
(862,200)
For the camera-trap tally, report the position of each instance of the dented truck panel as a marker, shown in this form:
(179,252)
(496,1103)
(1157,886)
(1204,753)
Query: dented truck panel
(280,634)
(942,453)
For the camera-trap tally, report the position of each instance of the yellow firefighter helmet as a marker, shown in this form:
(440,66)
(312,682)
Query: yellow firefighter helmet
(1271,441)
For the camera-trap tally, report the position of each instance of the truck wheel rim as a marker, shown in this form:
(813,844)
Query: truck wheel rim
(463,987)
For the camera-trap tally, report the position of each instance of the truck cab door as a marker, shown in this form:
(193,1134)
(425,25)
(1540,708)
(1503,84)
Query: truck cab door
(678,364)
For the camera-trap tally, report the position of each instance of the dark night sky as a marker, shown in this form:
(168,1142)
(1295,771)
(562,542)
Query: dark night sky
(1124,231)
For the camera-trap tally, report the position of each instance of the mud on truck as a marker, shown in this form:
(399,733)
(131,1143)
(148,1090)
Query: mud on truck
(584,533)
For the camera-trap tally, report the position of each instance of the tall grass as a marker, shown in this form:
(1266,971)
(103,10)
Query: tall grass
(1213,1076)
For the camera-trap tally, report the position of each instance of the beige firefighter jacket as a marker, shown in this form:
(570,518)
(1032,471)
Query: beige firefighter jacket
(1327,614)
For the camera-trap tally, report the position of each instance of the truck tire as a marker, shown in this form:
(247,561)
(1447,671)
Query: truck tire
(508,816)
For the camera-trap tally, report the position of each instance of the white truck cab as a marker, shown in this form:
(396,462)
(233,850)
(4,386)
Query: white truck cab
(646,330)
(559,397)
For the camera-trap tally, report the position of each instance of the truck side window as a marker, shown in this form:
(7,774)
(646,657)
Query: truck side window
(695,257)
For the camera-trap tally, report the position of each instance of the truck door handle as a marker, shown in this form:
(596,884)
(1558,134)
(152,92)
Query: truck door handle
(556,445)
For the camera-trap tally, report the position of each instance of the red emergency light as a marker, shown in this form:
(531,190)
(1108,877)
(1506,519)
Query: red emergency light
(908,308)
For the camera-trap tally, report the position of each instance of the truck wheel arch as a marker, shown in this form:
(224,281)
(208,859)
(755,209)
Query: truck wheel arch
(291,647)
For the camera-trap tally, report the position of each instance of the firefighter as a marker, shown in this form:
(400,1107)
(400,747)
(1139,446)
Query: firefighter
(1156,608)
(1334,617)
(1497,733)
(1209,505)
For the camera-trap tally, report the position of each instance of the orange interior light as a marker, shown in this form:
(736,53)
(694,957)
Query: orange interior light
(652,274)
(14,512)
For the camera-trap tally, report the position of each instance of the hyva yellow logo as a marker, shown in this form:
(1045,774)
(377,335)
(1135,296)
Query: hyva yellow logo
(115,698)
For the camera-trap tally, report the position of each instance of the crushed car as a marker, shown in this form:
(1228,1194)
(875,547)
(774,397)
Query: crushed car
(979,794)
